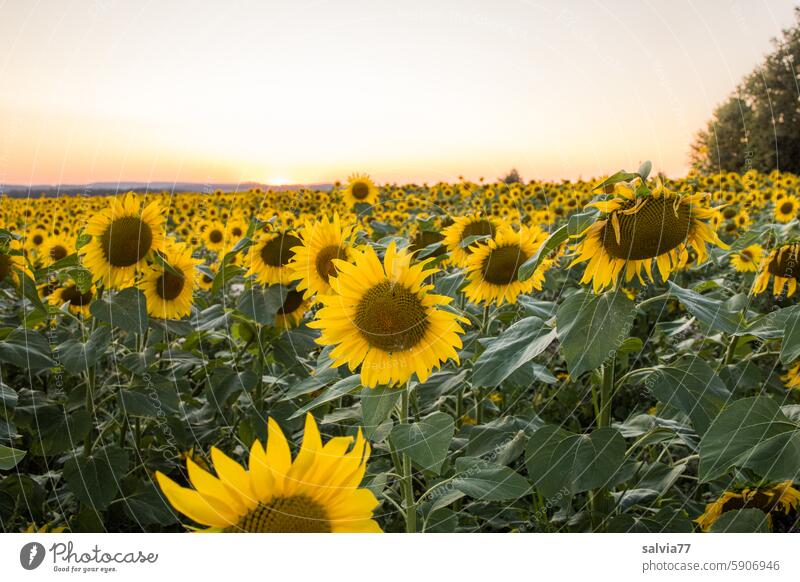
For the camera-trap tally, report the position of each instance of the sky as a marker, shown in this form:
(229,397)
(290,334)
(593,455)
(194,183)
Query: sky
(405,90)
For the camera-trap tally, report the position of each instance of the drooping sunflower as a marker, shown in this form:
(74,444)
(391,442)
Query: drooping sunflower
(636,230)
(313,262)
(123,235)
(318,492)
(384,318)
(78,303)
(457,235)
(777,500)
(748,259)
(360,189)
(493,267)
(268,259)
(786,208)
(782,264)
(292,311)
(169,294)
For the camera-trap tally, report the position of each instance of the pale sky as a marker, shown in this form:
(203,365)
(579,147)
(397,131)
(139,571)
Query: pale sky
(406,90)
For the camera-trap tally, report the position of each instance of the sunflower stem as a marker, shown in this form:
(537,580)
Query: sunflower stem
(90,384)
(408,483)
(600,499)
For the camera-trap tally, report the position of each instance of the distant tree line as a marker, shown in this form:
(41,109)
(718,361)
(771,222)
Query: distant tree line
(758,126)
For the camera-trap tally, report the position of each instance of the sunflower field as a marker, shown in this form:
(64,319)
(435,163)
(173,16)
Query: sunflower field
(613,355)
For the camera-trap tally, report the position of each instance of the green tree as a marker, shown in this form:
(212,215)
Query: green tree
(758,126)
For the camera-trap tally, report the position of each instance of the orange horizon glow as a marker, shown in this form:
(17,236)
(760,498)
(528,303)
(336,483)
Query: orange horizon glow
(290,93)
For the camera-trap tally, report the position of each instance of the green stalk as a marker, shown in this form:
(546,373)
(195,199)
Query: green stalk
(408,484)
(90,385)
(600,499)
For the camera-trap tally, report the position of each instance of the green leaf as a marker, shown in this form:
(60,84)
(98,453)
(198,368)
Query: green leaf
(376,406)
(29,291)
(709,311)
(790,346)
(490,482)
(10,457)
(426,442)
(690,385)
(516,346)
(57,430)
(8,397)
(576,224)
(592,327)
(557,459)
(96,480)
(742,521)
(261,304)
(149,508)
(621,176)
(77,357)
(667,520)
(225,382)
(82,277)
(126,310)
(26,349)
(645,169)
(225,273)
(752,433)
(339,389)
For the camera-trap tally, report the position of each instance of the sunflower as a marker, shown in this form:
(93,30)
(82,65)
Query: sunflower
(11,261)
(792,377)
(213,235)
(781,263)
(56,248)
(268,259)
(493,267)
(748,259)
(318,492)
(774,500)
(463,228)
(786,208)
(384,317)
(292,311)
(313,262)
(168,293)
(360,189)
(77,302)
(123,234)
(635,230)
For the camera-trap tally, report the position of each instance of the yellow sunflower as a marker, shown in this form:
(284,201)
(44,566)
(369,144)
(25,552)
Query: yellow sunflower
(77,302)
(637,230)
(268,258)
(786,208)
(318,492)
(292,311)
(792,377)
(464,227)
(313,262)
(781,263)
(11,261)
(748,259)
(772,499)
(56,248)
(493,267)
(360,188)
(213,235)
(169,294)
(123,235)
(385,318)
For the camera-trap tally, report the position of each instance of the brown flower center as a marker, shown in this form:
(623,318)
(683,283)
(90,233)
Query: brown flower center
(423,238)
(58,252)
(5,267)
(126,241)
(215,236)
(784,264)
(480,227)
(294,299)
(324,261)
(657,227)
(502,264)
(169,286)
(787,208)
(296,514)
(360,190)
(391,318)
(75,297)
(277,251)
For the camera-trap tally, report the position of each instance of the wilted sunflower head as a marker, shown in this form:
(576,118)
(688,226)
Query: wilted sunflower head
(776,501)
(123,235)
(640,227)
(782,265)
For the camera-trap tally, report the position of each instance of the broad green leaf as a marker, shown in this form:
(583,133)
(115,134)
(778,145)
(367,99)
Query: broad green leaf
(621,176)
(592,327)
(261,304)
(426,442)
(77,356)
(8,397)
(376,406)
(126,310)
(26,349)
(708,310)
(30,291)
(150,508)
(9,457)
(790,346)
(339,389)
(96,480)
(57,430)
(516,346)
(752,433)
(576,224)
(560,460)
(742,521)
(666,520)
(645,169)
(490,482)
(225,382)
(690,385)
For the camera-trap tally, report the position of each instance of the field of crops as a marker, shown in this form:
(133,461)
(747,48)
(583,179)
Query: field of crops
(613,355)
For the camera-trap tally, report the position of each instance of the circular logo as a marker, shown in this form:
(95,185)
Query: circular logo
(31,555)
